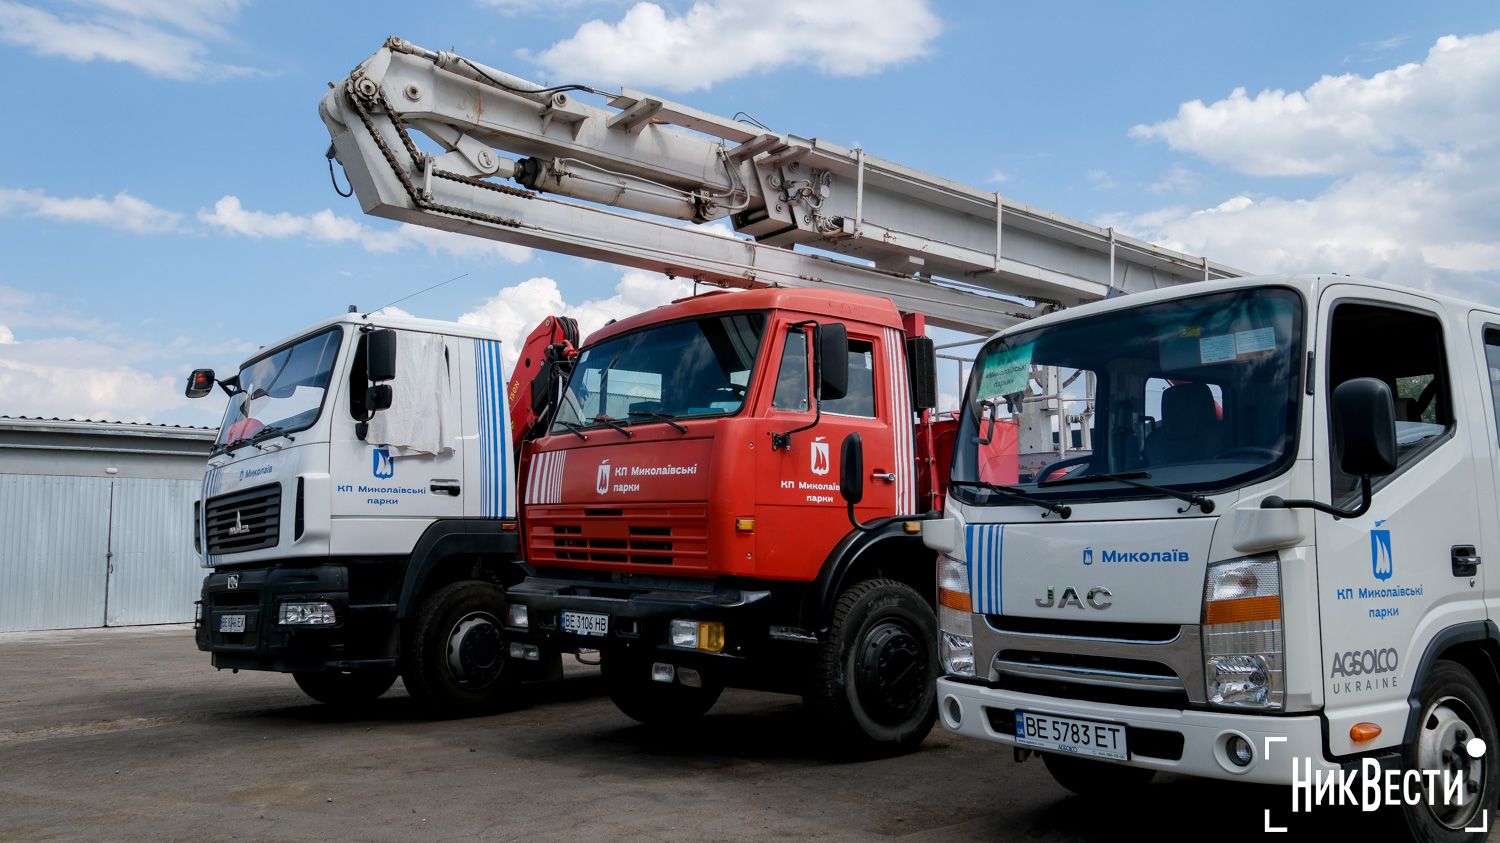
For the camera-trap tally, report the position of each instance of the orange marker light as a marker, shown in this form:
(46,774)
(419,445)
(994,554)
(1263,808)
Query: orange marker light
(1243,609)
(1361,732)
(955,600)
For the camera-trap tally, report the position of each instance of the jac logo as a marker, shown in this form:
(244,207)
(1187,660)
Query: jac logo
(1097,597)
(819,456)
(601,480)
(381,464)
(1381,564)
(1364,662)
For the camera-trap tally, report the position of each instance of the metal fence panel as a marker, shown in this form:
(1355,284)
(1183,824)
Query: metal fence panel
(154,576)
(54,533)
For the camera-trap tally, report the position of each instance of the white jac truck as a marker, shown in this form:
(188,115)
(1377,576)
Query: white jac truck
(1268,569)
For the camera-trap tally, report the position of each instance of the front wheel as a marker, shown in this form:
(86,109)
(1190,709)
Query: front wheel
(1455,735)
(657,704)
(1101,779)
(454,659)
(873,685)
(346,690)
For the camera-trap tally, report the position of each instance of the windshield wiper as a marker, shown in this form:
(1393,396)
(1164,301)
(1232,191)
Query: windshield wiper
(1129,478)
(1061,509)
(603,419)
(575,429)
(661,417)
(266,433)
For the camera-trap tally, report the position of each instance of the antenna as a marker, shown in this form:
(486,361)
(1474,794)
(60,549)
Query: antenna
(417,293)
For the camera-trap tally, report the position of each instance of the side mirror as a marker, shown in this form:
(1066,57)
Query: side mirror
(921,370)
(1364,424)
(833,361)
(199,383)
(380,355)
(852,470)
(378,397)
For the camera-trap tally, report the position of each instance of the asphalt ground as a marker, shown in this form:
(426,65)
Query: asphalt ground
(117,734)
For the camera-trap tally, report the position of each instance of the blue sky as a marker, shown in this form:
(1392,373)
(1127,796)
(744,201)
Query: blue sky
(166,202)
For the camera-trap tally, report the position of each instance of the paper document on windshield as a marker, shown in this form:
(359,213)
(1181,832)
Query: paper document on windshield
(1006,372)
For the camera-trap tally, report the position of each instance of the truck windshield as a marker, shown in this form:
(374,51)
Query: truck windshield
(697,367)
(1197,394)
(281,391)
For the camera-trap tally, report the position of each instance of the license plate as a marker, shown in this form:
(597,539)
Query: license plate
(1069,734)
(231,623)
(585,623)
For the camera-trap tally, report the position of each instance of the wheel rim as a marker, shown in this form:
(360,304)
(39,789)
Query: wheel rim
(1442,745)
(891,673)
(475,650)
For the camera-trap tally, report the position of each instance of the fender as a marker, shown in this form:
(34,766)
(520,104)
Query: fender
(1463,633)
(449,537)
(847,553)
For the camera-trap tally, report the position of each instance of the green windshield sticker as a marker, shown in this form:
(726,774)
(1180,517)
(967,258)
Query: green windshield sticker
(1006,372)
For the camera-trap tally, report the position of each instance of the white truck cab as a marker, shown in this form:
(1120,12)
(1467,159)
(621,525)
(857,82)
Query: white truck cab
(1268,567)
(358,512)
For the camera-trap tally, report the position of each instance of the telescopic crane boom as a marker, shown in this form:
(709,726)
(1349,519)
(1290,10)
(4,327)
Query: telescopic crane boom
(435,139)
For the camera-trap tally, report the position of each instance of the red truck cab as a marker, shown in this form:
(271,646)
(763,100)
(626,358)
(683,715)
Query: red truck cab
(683,514)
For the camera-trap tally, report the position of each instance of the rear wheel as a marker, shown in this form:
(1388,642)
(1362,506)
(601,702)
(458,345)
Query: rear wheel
(454,661)
(641,698)
(1456,736)
(1100,779)
(346,689)
(873,683)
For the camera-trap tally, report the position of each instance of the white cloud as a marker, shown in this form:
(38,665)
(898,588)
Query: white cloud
(1101,179)
(7,336)
(517,309)
(1416,198)
(121,211)
(652,47)
(1178,179)
(998,177)
(1342,124)
(162,37)
(230,215)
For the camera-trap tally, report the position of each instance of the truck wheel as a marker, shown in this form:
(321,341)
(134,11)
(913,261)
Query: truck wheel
(643,699)
(454,660)
(1455,713)
(873,684)
(346,690)
(1096,779)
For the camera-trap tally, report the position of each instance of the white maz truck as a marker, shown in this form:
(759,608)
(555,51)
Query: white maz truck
(359,513)
(1268,567)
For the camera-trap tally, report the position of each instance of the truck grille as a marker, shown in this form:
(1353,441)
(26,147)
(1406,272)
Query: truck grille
(248,519)
(1124,663)
(644,536)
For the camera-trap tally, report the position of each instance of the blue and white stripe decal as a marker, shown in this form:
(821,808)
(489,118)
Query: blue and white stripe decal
(985,544)
(494,432)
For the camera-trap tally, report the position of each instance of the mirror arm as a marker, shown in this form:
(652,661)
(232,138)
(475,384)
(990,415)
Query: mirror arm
(784,440)
(1365,496)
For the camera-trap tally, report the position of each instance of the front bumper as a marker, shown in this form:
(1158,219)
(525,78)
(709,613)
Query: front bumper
(360,639)
(1189,743)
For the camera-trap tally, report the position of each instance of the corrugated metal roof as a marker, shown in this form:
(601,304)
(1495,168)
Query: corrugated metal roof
(38,423)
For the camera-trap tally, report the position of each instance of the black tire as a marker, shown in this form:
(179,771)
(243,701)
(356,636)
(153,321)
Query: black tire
(454,656)
(346,690)
(1455,710)
(656,704)
(873,685)
(1096,779)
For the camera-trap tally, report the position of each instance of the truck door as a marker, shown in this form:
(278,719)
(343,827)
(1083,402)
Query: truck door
(1484,330)
(797,488)
(1387,580)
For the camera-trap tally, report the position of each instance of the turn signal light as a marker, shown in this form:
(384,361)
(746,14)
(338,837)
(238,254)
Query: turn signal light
(955,600)
(744,525)
(1242,609)
(1361,732)
(711,636)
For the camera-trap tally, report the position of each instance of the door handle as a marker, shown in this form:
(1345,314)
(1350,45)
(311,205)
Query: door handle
(887,476)
(1465,560)
(445,487)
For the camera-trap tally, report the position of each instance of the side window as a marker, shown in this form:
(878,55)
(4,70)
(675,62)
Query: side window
(860,399)
(1492,364)
(1404,348)
(359,381)
(792,391)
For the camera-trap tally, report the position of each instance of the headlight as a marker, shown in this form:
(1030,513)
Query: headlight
(1242,641)
(519,615)
(306,614)
(955,617)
